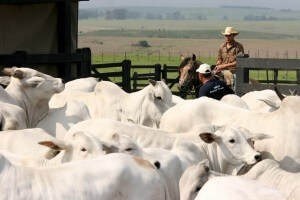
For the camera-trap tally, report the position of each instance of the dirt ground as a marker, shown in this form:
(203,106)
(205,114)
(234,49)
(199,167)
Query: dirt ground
(208,47)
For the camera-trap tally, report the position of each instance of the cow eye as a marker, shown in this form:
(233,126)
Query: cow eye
(158,98)
(232,141)
(128,149)
(197,189)
(83,149)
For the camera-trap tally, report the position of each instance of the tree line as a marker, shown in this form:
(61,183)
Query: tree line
(123,14)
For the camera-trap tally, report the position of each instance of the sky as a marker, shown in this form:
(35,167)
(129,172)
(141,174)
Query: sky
(276,4)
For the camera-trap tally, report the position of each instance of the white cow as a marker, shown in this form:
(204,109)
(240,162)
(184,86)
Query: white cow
(30,90)
(282,125)
(110,177)
(268,172)
(239,151)
(237,188)
(82,84)
(226,148)
(59,120)
(262,101)
(79,146)
(144,136)
(109,101)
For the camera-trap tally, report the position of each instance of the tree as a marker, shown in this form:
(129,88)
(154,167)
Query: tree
(120,14)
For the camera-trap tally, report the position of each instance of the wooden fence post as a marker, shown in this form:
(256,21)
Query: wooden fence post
(164,74)
(134,85)
(126,65)
(157,72)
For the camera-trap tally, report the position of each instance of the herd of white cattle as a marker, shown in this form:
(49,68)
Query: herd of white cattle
(91,140)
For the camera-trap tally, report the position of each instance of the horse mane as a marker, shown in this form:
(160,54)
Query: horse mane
(184,62)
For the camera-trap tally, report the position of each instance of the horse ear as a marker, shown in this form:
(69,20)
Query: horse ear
(182,57)
(194,57)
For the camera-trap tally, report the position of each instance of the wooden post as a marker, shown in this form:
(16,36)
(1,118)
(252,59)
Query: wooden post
(148,55)
(102,56)
(114,56)
(137,56)
(164,74)
(159,55)
(134,85)
(84,67)
(169,55)
(64,36)
(157,72)
(126,65)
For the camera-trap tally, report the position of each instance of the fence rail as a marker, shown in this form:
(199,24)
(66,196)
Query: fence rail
(131,80)
(246,65)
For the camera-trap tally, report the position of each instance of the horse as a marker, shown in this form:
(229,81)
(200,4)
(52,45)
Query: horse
(188,77)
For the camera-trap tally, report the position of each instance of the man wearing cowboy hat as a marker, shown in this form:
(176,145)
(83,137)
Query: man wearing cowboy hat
(226,62)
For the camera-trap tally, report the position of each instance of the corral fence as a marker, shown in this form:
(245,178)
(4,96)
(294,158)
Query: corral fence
(282,73)
(265,73)
(132,78)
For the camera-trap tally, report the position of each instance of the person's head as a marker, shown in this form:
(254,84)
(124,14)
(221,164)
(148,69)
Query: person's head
(229,34)
(204,71)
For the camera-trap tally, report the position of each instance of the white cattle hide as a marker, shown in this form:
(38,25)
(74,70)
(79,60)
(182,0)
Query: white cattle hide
(237,188)
(144,136)
(25,142)
(12,117)
(60,120)
(82,84)
(268,172)
(193,179)
(234,100)
(168,163)
(111,177)
(30,90)
(262,101)
(282,125)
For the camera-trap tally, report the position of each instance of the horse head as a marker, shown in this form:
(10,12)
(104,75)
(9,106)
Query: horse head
(188,78)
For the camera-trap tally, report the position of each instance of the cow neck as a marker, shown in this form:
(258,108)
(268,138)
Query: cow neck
(217,160)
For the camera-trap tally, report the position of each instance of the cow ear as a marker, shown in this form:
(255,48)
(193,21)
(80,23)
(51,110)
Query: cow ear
(34,81)
(208,137)
(254,136)
(153,82)
(260,136)
(54,144)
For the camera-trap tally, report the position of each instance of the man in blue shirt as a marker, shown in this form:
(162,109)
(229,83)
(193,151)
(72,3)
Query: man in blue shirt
(212,87)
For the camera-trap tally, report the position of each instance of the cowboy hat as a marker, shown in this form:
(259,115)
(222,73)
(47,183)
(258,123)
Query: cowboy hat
(230,31)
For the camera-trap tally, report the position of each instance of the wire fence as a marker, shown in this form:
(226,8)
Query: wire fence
(171,57)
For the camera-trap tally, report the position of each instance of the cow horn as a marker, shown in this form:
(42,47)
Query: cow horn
(18,74)
(279,94)
(153,82)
